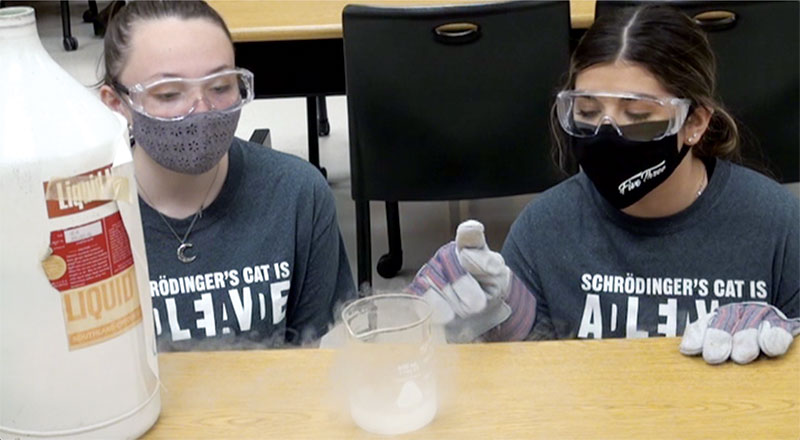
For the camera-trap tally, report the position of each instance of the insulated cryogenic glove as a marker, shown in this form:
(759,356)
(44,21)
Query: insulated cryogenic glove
(472,291)
(740,331)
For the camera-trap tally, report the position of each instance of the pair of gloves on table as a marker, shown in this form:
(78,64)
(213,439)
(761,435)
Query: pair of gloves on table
(476,296)
(740,331)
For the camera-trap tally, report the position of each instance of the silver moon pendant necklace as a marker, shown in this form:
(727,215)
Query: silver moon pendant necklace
(184,246)
(181,252)
(182,257)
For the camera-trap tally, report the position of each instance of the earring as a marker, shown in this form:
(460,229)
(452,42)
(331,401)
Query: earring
(692,137)
(130,135)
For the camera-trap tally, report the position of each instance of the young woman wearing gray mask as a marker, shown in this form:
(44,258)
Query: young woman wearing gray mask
(242,242)
(660,229)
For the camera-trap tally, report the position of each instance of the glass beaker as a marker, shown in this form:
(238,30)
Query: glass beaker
(392,383)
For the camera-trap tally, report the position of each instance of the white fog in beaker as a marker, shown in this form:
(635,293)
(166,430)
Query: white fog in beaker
(391,385)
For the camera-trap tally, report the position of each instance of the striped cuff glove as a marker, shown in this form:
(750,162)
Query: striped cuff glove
(740,331)
(472,291)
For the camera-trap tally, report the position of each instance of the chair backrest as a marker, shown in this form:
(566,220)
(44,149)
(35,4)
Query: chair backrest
(452,102)
(758,64)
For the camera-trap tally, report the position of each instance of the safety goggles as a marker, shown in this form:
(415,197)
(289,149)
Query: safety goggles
(172,99)
(634,117)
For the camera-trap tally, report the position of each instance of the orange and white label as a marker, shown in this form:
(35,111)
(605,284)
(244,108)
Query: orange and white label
(103,310)
(65,196)
(91,265)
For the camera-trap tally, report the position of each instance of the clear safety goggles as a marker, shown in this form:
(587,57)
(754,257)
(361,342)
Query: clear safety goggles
(634,117)
(172,99)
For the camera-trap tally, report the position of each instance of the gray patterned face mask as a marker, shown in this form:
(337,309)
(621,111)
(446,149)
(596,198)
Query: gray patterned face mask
(192,145)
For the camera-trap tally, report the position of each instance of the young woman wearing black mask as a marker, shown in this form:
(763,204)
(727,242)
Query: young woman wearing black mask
(660,228)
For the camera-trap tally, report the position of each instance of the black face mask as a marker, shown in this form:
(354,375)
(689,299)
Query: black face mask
(624,171)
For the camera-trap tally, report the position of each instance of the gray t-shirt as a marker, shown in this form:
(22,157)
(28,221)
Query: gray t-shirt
(597,272)
(271,265)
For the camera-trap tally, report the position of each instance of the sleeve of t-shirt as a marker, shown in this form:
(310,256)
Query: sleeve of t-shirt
(788,299)
(518,258)
(327,282)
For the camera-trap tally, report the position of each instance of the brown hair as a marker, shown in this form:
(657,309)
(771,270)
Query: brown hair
(117,39)
(675,50)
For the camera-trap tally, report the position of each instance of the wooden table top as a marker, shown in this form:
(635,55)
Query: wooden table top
(608,389)
(307,20)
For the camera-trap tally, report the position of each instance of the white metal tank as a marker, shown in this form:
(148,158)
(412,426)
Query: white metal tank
(77,346)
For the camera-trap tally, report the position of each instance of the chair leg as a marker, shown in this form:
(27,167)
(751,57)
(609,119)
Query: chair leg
(391,263)
(90,14)
(459,210)
(312,130)
(70,43)
(363,248)
(323,126)
(102,17)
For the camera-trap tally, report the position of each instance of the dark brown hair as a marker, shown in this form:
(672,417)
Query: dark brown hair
(675,50)
(116,44)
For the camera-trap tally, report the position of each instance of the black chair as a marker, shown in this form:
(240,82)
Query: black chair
(323,125)
(448,103)
(71,43)
(262,136)
(757,44)
(99,20)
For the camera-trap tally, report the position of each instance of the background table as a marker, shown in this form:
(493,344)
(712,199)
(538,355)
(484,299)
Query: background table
(307,20)
(295,47)
(609,389)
